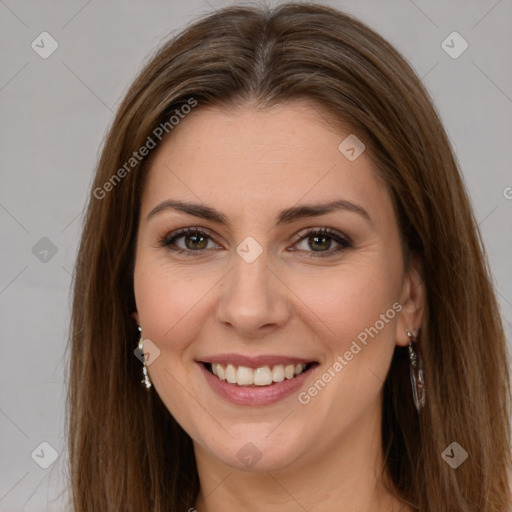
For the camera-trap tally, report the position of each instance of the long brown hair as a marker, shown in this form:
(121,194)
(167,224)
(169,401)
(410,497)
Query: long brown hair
(127,453)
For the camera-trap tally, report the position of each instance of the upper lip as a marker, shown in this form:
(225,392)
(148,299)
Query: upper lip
(254,362)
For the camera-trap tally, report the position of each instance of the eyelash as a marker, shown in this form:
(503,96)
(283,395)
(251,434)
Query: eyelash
(343,241)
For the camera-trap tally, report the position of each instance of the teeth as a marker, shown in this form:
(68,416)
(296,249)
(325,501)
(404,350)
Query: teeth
(244,376)
(289,371)
(264,376)
(230,373)
(278,373)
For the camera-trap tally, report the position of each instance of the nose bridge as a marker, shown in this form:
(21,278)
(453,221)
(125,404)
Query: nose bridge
(253,297)
(250,278)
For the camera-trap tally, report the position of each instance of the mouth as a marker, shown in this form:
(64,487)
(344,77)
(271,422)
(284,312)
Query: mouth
(258,380)
(263,376)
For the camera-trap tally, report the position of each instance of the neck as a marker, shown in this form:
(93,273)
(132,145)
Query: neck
(345,474)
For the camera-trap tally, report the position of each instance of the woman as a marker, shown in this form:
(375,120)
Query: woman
(278,224)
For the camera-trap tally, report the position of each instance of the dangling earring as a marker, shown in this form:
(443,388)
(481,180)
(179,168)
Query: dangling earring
(146,380)
(416,371)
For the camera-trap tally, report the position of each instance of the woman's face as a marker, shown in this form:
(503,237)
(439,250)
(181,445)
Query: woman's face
(292,263)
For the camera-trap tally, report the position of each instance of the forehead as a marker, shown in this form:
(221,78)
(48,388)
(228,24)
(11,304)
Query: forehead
(246,158)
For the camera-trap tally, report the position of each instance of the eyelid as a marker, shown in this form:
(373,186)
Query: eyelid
(340,238)
(169,238)
(344,242)
(334,233)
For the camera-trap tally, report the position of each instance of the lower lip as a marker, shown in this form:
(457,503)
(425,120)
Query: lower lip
(255,395)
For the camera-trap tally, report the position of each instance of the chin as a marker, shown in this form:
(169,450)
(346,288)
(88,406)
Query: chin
(260,452)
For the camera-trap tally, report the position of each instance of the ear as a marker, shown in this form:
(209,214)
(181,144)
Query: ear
(135,315)
(412,300)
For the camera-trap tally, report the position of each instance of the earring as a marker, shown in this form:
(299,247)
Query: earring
(146,380)
(416,371)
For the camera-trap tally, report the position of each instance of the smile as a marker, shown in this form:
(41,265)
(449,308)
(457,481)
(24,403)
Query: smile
(262,376)
(257,380)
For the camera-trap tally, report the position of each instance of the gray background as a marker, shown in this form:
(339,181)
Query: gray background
(55,113)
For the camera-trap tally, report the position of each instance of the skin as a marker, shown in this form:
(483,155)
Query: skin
(250,164)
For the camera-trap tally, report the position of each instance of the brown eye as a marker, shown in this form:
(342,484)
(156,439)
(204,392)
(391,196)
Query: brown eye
(189,240)
(322,242)
(195,242)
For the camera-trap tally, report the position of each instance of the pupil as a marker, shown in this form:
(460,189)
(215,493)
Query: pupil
(323,241)
(198,242)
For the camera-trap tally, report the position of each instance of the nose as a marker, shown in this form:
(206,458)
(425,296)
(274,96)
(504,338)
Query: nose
(254,300)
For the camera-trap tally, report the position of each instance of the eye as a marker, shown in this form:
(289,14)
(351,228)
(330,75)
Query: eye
(321,242)
(189,240)
(317,242)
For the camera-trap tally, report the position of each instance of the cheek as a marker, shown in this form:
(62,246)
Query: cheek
(356,312)
(173,308)
(355,308)
(351,298)
(171,304)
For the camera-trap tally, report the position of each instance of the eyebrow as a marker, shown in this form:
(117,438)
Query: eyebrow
(286,216)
